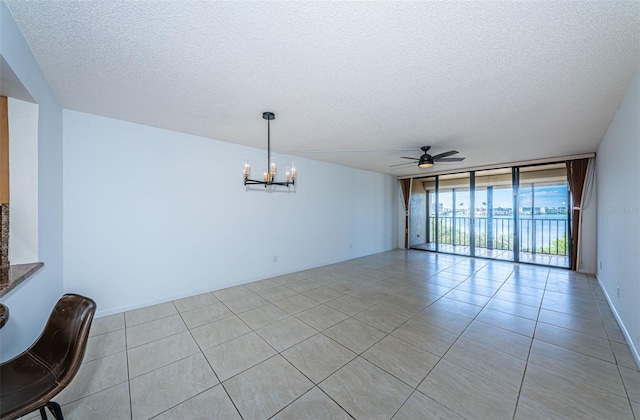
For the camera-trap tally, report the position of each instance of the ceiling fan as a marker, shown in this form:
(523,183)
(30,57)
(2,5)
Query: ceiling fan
(427,161)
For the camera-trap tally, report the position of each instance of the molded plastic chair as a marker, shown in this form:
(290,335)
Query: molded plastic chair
(30,380)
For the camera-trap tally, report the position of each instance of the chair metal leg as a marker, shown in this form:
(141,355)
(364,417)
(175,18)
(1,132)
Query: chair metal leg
(55,409)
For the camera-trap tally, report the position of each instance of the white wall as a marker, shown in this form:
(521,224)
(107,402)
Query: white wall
(619,213)
(23,178)
(30,304)
(152,215)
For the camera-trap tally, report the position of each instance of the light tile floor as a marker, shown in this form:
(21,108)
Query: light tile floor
(401,335)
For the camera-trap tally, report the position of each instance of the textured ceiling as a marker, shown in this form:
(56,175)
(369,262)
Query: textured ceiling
(497,81)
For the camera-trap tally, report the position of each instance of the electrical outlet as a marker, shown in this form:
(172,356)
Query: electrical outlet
(600,265)
(275,258)
(618,290)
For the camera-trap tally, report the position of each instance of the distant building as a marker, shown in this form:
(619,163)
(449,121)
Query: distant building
(543,210)
(502,211)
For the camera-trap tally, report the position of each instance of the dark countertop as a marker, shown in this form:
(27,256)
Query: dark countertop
(13,275)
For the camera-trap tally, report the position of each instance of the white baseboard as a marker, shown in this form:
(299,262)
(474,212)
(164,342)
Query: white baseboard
(632,347)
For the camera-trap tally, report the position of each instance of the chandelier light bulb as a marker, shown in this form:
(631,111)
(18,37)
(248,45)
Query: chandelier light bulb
(247,169)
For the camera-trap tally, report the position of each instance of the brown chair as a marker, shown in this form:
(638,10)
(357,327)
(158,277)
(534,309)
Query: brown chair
(30,380)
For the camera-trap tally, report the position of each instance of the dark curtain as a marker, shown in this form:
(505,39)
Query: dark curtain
(405,184)
(576,174)
(4,181)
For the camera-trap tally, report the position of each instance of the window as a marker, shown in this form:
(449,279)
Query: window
(514,214)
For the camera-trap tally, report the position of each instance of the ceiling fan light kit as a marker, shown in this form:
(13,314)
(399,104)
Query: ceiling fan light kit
(268,179)
(425,162)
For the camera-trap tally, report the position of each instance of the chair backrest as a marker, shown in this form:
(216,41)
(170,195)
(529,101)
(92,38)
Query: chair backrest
(63,342)
(34,377)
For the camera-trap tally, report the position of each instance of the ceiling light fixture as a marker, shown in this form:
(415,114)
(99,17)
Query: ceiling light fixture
(270,171)
(426,161)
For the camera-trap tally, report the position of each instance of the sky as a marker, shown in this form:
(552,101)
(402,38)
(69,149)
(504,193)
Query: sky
(545,196)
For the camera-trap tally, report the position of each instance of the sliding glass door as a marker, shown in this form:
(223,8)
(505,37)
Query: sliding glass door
(494,221)
(454,214)
(543,215)
(515,214)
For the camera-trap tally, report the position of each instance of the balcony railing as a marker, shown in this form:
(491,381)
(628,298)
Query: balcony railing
(537,236)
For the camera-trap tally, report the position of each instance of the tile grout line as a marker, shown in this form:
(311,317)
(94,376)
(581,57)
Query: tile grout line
(357,355)
(457,338)
(315,385)
(277,353)
(126,349)
(526,365)
(178,360)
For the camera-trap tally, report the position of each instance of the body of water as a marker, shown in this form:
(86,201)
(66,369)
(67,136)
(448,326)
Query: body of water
(540,232)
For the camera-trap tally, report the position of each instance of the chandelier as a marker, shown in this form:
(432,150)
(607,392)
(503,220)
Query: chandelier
(269,177)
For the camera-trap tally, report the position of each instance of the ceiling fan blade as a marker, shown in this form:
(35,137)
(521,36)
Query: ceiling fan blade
(450,160)
(412,158)
(402,164)
(444,155)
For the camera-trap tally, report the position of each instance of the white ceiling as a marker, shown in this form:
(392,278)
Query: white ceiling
(497,81)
